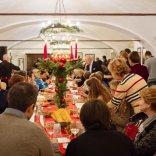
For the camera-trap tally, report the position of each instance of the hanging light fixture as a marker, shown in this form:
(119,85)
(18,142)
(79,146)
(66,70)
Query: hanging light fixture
(58,31)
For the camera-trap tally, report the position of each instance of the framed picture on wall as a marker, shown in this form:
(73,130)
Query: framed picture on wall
(92,56)
(21,63)
(139,51)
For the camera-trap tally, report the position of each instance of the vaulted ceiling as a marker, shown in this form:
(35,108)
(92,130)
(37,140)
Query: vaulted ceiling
(14,29)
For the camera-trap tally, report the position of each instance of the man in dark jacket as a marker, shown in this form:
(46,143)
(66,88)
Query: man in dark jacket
(91,65)
(6,68)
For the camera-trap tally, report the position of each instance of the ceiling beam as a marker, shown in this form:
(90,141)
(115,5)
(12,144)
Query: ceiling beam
(78,14)
(53,48)
(87,40)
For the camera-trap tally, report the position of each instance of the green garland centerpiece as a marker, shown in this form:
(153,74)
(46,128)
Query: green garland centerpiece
(57,42)
(47,33)
(59,28)
(60,70)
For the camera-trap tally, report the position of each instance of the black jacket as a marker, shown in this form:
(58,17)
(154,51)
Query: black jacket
(101,142)
(146,141)
(3,100)
(6,69)
(95,67)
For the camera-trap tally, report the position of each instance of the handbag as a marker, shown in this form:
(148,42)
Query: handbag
(131,131)
(135,121)
(120,114)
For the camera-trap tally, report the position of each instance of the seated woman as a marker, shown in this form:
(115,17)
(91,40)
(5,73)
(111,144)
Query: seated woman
(44,75)
(97,90)
(99,140)
(99,75)
(145,140)
(15,79)
(38,79)
(86,74)
(78,77)
(129,87)
(4,90)
(22,73)
(30,78)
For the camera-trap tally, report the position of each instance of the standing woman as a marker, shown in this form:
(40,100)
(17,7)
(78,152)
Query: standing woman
(129,87)
(145,140)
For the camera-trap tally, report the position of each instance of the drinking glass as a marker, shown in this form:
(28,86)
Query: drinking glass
(74,127)
(75,97)
(49,125)
(57,130)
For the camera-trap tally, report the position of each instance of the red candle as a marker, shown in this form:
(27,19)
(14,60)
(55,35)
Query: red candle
(45,51)
(76,49)
(71,51)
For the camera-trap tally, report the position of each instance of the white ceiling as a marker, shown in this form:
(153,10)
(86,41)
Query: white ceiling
(94,27)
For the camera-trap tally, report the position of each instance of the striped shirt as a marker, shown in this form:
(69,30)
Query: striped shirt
(129,88)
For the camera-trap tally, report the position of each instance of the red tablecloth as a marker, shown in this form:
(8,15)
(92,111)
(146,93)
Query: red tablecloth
(50,119)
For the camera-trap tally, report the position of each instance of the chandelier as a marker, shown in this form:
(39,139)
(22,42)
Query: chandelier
(58,31)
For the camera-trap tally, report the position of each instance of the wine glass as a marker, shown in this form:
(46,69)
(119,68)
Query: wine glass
(57,130)
(74,127)
(49,125)
(75,97)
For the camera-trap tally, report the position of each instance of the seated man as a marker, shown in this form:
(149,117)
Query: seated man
(91,65)
(19,136)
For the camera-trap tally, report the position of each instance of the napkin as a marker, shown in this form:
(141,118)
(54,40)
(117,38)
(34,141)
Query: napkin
(42,120)
(63,140)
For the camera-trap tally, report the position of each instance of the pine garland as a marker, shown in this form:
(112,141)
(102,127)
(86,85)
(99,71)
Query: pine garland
(59,28)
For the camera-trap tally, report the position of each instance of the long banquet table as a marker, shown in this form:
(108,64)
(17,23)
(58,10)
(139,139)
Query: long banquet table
(42,120)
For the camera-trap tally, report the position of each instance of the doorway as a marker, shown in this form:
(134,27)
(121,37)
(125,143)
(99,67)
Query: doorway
(31,60)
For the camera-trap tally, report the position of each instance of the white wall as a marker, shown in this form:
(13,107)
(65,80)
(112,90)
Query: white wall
(16,54)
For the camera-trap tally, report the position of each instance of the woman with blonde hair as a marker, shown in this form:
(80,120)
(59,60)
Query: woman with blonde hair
(129,87)
(145,140)
(121,114)
(78,77)
(97,90)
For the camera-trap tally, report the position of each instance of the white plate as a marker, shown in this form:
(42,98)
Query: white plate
(40,97)
(42,120)
(74,91)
